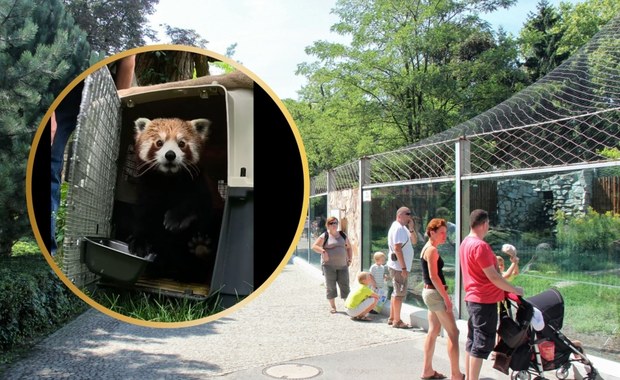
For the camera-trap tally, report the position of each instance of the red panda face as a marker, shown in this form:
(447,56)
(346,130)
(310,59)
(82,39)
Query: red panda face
(169,145)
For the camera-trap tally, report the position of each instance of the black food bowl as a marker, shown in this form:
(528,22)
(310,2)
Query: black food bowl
(111,259)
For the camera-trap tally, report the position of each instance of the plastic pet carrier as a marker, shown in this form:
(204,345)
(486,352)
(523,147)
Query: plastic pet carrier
(104,183)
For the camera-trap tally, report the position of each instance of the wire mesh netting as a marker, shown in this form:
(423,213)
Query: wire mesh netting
(434,160)
(345,177)
(569,117)
(318,184)
(92,173)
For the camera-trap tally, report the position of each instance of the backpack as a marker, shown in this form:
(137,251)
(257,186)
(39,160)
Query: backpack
(326,236)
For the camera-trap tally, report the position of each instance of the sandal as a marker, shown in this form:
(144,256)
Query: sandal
(361,319)
(403,325)
(390,322)
(333,311)
(435,375)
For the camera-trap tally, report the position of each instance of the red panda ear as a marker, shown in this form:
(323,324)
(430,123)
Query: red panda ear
(202,127)
(140,125)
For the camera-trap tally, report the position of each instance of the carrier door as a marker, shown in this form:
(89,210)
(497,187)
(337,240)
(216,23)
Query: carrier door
(233,277)
(91,171)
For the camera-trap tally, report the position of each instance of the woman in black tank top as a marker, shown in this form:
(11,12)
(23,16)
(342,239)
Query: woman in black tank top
(438,302)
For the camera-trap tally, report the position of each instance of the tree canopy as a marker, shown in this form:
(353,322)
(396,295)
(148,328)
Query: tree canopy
(551,35)
(114,25)
(411,70)
(414,69)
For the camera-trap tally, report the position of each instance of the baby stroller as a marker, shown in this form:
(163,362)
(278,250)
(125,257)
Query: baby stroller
(531,342)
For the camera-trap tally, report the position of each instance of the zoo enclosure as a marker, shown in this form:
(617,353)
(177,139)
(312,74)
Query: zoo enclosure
(545,164)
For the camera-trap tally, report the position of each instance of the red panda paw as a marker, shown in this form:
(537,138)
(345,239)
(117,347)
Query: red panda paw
(176,220)
(200,246)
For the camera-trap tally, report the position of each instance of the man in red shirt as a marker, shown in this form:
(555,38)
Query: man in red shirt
(484,288)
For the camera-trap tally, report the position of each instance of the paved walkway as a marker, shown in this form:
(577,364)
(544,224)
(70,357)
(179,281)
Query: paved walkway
(286,332)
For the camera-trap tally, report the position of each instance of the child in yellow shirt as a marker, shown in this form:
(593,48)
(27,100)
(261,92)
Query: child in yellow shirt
(362,300)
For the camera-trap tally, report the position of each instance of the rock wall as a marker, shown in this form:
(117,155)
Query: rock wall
(525,204)
(347,202)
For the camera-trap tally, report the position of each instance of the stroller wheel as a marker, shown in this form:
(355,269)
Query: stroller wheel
(591,376)
(520,375)
(562,372)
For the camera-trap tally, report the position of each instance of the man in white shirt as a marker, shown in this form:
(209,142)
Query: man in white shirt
(401,238)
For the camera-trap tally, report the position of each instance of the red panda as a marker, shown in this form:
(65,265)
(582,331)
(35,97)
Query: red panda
(170,145)
(175,217)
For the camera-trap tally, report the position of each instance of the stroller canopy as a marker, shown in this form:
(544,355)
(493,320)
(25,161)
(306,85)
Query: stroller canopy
(551,304)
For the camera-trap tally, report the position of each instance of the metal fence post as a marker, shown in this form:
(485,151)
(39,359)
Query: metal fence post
(463,167)
(364,213)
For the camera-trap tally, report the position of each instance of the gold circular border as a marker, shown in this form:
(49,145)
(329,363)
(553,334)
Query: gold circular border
(37,233)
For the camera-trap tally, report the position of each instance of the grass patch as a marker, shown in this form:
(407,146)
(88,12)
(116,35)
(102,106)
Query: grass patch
(590,306)
(591,309)
(157,307)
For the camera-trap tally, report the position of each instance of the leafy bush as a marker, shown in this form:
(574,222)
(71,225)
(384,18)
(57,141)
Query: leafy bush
(588,233)
(533,238)
(379,244)
(25,246)
(497,237)
(32,300)
(563,261)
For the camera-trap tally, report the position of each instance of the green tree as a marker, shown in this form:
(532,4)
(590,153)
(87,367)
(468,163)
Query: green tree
(41,50)
(411,70)
(182,36)
(580,22)
(114,25)
(540,39)
(169,66)
(551,35)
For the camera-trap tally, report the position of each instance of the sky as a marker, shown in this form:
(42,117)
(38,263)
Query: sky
(271,35)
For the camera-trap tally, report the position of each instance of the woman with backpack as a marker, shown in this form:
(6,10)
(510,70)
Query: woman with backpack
(335,251)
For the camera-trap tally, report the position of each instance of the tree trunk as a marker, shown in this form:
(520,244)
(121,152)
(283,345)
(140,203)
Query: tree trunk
(169,66)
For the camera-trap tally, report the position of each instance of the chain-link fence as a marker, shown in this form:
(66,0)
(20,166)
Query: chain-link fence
(570,117)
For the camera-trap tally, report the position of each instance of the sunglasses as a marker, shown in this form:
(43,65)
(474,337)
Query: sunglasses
(407,213)
(332,223)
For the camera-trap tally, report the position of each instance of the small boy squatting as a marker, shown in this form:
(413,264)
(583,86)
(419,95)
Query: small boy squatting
(362,300)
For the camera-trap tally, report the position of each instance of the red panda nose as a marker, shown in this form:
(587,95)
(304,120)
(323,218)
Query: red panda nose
(170,156)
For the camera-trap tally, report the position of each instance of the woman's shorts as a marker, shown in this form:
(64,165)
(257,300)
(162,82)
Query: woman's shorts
(433,300)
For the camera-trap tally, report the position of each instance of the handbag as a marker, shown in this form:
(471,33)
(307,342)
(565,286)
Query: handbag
(516,359)
(511,332)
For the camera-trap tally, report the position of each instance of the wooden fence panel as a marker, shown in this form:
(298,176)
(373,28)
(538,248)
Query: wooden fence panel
(606,194)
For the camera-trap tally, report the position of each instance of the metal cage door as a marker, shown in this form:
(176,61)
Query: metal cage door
(92,172)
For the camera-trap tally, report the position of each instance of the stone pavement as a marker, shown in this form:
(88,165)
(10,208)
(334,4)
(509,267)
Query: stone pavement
(287,332)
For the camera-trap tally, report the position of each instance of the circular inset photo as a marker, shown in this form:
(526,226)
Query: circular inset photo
(153,171)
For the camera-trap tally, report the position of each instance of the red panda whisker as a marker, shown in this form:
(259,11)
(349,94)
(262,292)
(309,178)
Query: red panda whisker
(147,163)
(194,168)
(188,171)
(191,169)
(150,165)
